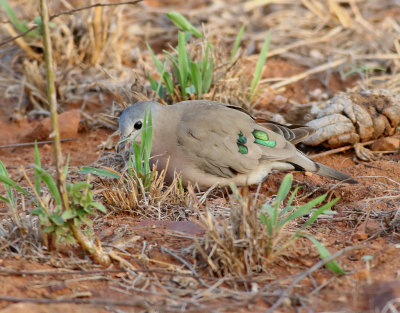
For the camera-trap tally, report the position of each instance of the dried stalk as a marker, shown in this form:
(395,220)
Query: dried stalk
(94,251)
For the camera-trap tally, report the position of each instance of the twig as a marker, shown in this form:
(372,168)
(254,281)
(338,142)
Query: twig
(188,265)
(5,272)
(140,302)
(340,149)
(27,144)
(315,267)
(329,152)
(68,12)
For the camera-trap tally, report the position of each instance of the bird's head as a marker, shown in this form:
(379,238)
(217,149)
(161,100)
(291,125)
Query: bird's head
(131,122)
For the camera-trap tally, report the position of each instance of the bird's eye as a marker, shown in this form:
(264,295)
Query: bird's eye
(138,125)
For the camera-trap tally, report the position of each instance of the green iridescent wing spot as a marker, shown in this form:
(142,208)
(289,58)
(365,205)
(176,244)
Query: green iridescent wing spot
(241,139)
(242,148)
(262,138)
(259,134)
(267,143)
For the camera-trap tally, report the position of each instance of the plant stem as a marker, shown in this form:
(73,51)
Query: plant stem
(94,251)
(51,96)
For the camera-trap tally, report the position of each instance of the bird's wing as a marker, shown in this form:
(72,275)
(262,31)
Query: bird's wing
(224,142)
(292,133)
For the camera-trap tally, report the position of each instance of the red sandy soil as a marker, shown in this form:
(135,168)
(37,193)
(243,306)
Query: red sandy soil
(351,293)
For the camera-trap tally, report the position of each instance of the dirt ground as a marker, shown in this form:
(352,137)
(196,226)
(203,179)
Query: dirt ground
(66,280)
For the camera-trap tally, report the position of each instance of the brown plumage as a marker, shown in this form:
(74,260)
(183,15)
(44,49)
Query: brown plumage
(211,143)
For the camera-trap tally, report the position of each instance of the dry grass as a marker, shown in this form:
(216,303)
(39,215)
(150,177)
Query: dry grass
(159,202)
(100,47)
(100,53)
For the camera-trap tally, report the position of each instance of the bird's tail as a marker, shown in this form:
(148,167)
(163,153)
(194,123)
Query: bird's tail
(303,163)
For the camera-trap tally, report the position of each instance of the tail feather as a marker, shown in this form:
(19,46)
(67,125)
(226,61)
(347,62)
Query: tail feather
(301,162)
(326,171)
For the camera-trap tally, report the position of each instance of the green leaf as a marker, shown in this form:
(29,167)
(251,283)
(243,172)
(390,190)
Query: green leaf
(168,82)
(237,43)
(3,171)
(9,182)
(263,219)
(180,21)
(99,206)
(68,214)
(51,184)
(294,193)
(20,26)
(37,163)
(66,167)
(102,172)
(69,238)
(260,64)
(76,187)
(284,188)
(49,229)
(155,60)
(57,219)
(208,76)
(153,83)
(190,90)
(86,220)
(159,90)
(318,212)
(183,64)
(196,78)
(4,199)
(303,209)
(324,253)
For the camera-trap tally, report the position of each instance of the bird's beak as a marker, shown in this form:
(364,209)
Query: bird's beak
(121,144)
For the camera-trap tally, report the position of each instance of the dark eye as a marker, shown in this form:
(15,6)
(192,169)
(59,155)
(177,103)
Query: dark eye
(138,125)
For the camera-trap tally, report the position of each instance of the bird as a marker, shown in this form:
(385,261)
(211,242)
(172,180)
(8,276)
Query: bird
(215,144)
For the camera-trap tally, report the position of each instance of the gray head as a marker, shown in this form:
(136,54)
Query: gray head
(131,120)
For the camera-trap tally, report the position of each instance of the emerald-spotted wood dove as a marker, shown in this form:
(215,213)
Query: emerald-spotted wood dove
(211,143)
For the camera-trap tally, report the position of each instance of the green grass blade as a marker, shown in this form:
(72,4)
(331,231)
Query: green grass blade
(20,26)
(237,43)
(284,188)
(318,212)
(324,253)
(293,195)
(289,206)
(171,57)
(4,199)
(260,64)
(204,63)
(66,167)
(266,220)
(51,184)
(208,76)
(102,172)
(138,157)
(153,83)
(37,163)
(181,21)
(168,82)
(147,141)
(4,172)
(183,63)
(10,183)
(155,60)
(303,209)
(196,78)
